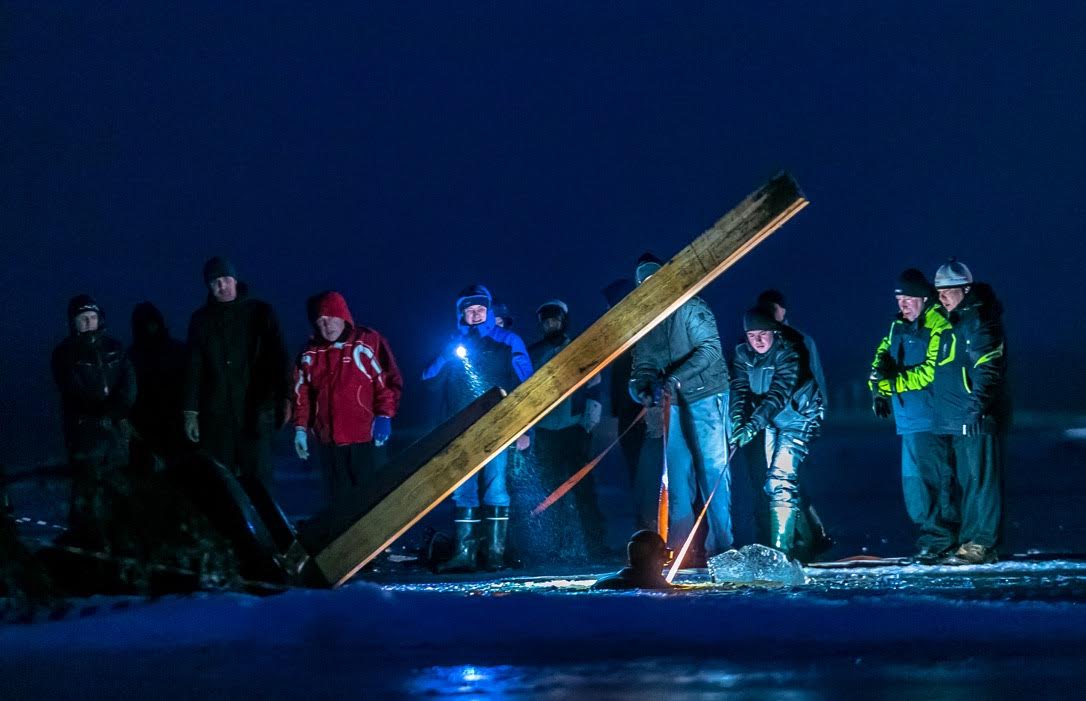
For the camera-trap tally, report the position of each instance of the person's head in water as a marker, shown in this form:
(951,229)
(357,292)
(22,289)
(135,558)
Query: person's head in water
(647,552)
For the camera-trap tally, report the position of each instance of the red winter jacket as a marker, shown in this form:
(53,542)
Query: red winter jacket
(339,387)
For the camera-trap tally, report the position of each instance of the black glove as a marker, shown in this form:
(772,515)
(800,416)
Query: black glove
(744,434)
(881,406)
(884,369)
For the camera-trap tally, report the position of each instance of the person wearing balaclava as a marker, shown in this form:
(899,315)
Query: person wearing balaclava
(237,376)
(902,386)
(680,363)
(769,394)
(480,355)
(562,445)
(97,390)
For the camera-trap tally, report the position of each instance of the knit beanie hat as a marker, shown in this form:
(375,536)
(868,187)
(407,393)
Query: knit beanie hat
(912,283)
(952,274)
(82,303)
(218,267)
(472,295)
(647,265)
(759,319)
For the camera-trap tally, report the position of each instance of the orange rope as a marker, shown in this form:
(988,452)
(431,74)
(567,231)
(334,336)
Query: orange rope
(579,475)
(662,506)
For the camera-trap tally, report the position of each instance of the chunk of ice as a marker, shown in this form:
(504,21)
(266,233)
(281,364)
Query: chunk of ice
(755,563)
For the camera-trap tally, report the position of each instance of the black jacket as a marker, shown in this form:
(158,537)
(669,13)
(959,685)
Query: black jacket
(237,364)
(685,346)
(766,390)
(971,370)
(97,384)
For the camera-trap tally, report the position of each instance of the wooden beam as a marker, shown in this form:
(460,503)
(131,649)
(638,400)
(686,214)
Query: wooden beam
(694,267)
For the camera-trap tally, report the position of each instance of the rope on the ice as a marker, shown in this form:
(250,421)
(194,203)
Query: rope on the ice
(579,475)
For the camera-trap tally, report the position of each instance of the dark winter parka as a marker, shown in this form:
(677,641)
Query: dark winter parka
(970,374)
(237,374)
(810,362)
(159,361)
(474,360)
(97,390)
(568,413)
(765,390)
(912,348)
(685,346)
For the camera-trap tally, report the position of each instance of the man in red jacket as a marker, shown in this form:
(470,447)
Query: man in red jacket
(346,390)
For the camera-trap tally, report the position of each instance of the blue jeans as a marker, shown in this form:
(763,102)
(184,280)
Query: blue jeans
(697,452)
(487,484)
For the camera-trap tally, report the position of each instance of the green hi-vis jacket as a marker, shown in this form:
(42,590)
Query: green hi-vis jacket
(912,348)
(970,373)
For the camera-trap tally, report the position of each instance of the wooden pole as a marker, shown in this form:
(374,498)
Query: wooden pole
(694,267)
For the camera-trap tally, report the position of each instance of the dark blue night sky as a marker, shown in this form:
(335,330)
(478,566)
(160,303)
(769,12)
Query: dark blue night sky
(400,151)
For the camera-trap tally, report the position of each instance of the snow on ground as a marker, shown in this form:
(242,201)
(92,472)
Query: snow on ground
(550,638)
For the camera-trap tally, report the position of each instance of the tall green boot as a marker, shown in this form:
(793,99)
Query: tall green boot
(782,528)
(496,530)
(466,554)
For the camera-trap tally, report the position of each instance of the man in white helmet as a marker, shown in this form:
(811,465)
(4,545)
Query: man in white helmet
(972,406)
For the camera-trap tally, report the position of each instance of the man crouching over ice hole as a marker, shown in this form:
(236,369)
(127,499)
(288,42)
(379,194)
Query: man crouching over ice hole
(765,396)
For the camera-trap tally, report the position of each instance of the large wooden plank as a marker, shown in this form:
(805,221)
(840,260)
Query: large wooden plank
(694,267)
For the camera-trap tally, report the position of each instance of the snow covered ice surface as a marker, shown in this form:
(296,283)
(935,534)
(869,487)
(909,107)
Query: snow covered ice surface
(996,631)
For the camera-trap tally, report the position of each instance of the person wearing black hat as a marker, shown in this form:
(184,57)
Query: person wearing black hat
(236,380)
(97,390)
(562,445)
(973,407)
(681,359)
(479,356)
(812,538)
(647,555)
(902,385)
(770,394)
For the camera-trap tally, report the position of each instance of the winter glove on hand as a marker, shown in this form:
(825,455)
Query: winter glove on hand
(382,430)
(192,426)
(745,434)
(665,385)
(590,419)
(524,442)
(881,406)
(301,443)
(884,369)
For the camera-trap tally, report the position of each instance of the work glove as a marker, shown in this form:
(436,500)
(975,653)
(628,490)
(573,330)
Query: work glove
(590,418)
(382,430)
(524,442)
(744,434)
(665,385)
(301,443)
(881,406)
(192,426)
(884,369)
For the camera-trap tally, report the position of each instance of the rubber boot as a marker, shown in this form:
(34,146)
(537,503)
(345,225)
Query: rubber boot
(782,528)
(466,551)
(497,528)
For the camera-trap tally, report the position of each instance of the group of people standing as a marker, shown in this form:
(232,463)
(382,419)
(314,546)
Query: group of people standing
(226,391)
(941,373)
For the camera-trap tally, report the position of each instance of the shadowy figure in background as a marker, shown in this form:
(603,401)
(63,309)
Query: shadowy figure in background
(159,361)
(97,390)
(563,445)
(643,454)
(647,556)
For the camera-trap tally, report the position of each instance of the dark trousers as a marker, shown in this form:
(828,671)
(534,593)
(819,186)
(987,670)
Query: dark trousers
(978,471)
(347,471)
(98,455)
(927,481)
(560,454)
(245,452)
